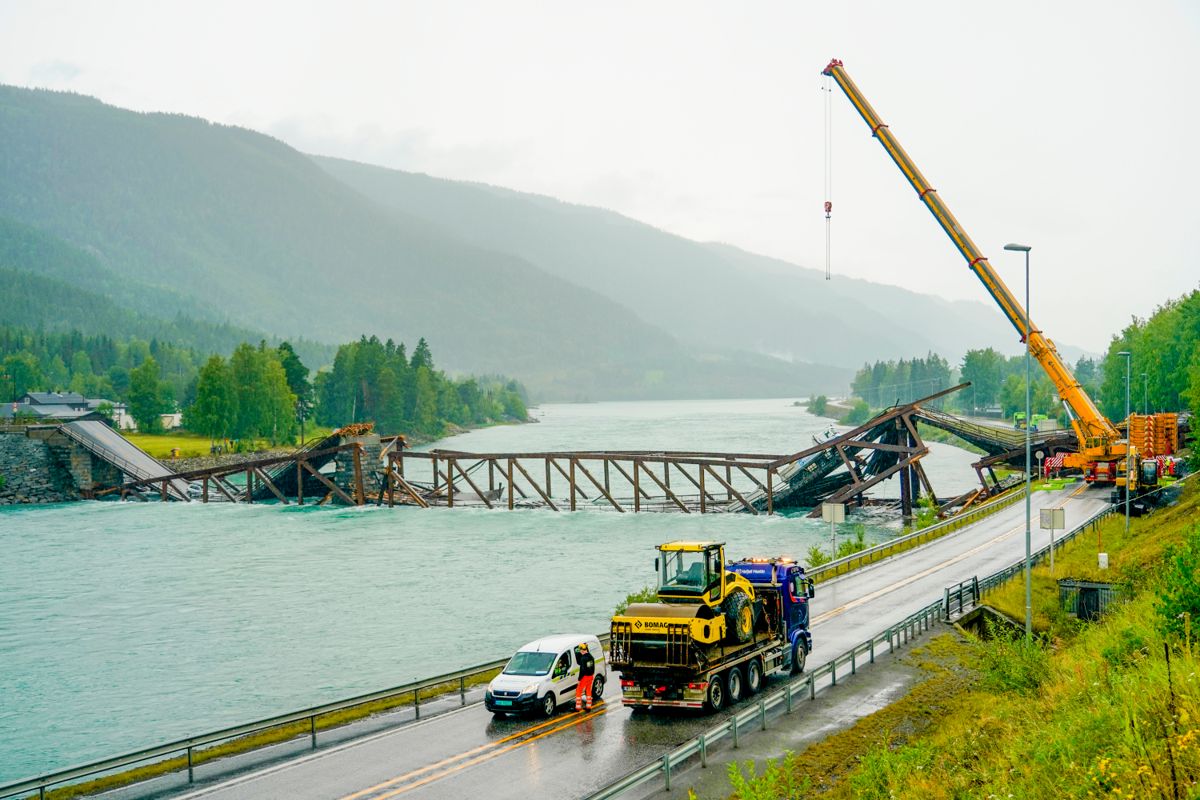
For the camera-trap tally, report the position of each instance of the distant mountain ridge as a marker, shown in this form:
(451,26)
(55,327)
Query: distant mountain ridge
(167,218)
(713,294)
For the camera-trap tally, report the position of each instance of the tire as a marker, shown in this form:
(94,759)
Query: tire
(714,696)
(597,687)
(548,705)
(735,685)
(739,617)
(799,657)
(754,677)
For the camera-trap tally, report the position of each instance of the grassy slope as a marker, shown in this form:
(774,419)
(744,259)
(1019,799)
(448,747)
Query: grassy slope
(1092,714)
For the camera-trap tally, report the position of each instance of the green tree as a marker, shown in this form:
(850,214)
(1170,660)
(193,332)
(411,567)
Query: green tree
(214,410)
(21,374)
(146,396)
(984,369)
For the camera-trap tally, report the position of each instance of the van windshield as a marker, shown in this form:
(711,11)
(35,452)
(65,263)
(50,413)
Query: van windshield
(529,664)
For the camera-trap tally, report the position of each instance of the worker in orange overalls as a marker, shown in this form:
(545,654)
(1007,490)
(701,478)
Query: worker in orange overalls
(587,671)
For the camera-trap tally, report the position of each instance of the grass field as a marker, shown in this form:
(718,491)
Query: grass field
(191,445)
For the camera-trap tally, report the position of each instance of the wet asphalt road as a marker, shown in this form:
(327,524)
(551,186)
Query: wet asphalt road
(468,754)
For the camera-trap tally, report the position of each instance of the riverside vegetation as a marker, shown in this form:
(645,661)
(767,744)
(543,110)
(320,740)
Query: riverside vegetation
(1107,709)
(260,391)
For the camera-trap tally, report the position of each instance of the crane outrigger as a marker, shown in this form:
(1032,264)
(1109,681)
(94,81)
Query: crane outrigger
(1103,451)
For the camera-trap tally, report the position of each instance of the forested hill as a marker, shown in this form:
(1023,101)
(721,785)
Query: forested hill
(715,295)
(235,227)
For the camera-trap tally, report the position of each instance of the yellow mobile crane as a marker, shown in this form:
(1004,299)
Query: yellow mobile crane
(1103,451)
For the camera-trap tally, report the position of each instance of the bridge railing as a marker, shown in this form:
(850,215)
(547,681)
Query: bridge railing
(190,746)
(893,546)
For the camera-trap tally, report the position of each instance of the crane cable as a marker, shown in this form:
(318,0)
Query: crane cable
(828,90)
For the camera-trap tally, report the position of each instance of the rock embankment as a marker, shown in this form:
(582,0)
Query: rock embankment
(29,473)
(224,460)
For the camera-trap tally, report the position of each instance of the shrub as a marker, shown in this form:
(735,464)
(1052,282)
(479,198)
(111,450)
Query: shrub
(779,781)
(816,557)
(1178,602)
(1011,663)
(850,546)
(646,594)
(818,405)
(860,412)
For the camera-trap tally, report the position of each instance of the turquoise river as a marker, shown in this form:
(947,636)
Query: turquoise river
(123,625)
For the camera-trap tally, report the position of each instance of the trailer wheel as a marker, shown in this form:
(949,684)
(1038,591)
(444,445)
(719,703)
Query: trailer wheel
(754,676)
(799,656)
(735,685)
(739,617)
(714,697)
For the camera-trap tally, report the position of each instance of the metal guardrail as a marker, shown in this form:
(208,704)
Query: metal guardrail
(881,551)
(755,713)
(189,745)
(967,593)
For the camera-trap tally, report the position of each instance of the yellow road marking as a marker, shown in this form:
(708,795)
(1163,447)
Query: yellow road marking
(911,578)
(478,759)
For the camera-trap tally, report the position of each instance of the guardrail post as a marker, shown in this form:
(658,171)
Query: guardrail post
(312,729)
(41,793)
(853,665)
(812,687)
(872,647)
(734,730)
(833,672)
(462,690)
(891,646)
(975,588)
(191,773)
(946,605)
(762,713)
(417,702)
(703,751)
(667,772)
(787,696)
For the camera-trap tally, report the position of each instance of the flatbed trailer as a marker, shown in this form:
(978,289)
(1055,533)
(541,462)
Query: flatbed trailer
(667,668)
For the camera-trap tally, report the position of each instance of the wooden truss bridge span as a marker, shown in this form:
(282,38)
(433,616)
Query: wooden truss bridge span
(839,468)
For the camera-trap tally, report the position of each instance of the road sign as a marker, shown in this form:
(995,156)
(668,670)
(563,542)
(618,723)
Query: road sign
(833,512)
(1054,519)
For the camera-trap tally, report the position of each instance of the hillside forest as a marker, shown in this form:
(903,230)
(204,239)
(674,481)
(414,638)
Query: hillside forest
(1164,373)
(258,391)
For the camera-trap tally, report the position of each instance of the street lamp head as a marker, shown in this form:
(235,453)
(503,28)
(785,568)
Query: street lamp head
(1125,353)
(1020,248)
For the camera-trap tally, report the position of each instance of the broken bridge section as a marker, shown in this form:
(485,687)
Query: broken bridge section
(838,469)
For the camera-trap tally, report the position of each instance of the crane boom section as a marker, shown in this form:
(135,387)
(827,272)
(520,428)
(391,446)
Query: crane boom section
(1096,432)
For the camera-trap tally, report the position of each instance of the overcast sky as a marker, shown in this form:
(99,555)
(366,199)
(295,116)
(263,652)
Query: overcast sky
(1069,126)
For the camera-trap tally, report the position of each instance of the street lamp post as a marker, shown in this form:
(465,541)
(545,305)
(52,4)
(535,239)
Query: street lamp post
(1145,393)
(1028,325)
(1128,356)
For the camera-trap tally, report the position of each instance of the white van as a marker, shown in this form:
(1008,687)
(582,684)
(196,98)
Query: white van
(543,674)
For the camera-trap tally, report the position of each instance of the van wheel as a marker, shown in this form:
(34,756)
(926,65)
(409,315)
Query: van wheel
(799,656)
(735,685)
(754,676)
(714,698)
(549,704)
(597,687)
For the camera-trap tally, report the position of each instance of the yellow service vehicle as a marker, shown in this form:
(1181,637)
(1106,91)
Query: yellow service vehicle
(717,631)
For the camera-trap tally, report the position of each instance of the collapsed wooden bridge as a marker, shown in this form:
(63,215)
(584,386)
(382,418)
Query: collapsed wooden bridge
(355,467)
(838,468)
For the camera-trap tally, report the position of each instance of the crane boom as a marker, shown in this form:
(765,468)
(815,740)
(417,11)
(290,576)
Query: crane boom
(1098,438)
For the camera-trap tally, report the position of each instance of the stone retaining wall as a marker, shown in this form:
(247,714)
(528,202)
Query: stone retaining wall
(32,473)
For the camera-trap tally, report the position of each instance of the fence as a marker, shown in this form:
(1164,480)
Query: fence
(1087,600)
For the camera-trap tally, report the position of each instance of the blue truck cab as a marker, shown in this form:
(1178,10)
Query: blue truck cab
(786,600)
